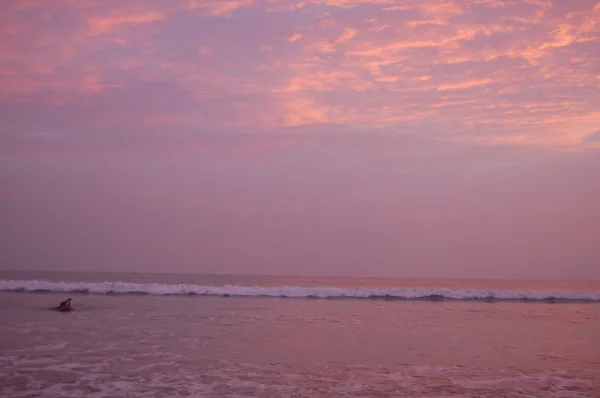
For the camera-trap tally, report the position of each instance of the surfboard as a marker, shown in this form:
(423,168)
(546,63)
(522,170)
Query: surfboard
(64,308)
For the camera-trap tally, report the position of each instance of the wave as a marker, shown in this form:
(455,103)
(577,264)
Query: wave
(387,293)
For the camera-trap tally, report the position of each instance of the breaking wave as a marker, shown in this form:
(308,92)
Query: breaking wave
(388,293)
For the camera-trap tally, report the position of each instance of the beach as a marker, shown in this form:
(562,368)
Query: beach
(241,344)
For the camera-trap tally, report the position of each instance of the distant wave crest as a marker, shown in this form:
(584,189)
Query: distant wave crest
(390,293)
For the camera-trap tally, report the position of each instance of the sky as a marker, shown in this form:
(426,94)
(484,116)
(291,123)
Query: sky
(403,138)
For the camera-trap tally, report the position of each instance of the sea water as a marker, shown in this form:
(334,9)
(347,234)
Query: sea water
(172,335)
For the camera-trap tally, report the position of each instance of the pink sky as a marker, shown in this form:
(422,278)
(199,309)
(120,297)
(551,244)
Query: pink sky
(342,137)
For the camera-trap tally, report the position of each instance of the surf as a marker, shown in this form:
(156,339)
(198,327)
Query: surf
(309,292)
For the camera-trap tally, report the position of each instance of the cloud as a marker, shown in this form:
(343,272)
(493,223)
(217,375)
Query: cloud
(219,7)
(521,71)
(92,84)
(593,137)
(464,85)
(295,37)
(99,25)
(241,134)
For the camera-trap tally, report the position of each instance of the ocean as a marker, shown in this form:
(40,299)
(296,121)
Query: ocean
(175,335)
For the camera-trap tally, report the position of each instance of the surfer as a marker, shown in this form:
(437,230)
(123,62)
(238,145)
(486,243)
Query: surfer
(65,306)
(66,303)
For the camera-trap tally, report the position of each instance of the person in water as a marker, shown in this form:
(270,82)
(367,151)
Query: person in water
(66,303)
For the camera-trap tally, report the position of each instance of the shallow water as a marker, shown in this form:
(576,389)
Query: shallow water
(153,345)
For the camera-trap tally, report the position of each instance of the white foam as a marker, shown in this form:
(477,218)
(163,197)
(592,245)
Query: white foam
(398,293)
(222,378)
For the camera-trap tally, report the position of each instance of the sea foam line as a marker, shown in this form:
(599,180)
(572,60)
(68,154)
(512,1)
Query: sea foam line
(387,293)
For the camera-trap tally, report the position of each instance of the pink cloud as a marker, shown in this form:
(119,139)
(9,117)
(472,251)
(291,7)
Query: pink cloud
(313,114)
(336,54)
(108,23)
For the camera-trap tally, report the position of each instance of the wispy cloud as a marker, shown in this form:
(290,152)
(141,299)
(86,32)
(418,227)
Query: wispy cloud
(108,23)
(526,69)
